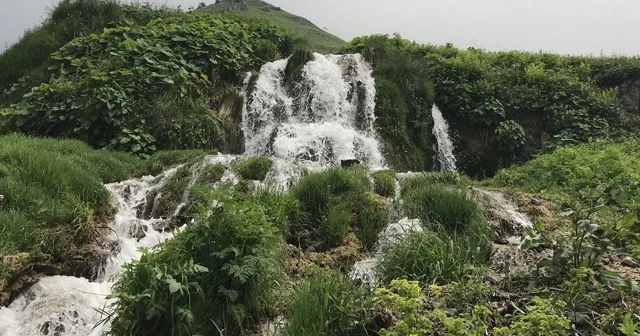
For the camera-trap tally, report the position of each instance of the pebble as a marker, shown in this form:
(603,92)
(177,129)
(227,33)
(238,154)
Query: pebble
(535,201)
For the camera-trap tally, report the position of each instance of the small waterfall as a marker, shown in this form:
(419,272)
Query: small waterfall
(330,118)
(445,159)
(65,305)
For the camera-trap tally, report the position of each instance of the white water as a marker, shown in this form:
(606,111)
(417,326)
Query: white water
(365,270)
(446,161)
(63,305)
(331,118)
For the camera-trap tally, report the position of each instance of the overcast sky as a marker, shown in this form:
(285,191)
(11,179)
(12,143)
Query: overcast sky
(563,26)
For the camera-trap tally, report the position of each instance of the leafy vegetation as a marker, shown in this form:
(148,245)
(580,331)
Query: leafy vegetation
(190,286)
(319,40)
(255,168)
(334,202)
(139,88)
(508,97)
(54,194)
(29,57)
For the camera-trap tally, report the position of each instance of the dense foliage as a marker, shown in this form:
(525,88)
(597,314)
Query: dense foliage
(191,285)
(29,57)
(502,107)
(142,88)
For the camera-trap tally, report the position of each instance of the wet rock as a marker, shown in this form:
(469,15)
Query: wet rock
(629,262)
(614,258)
(349,163)
(535,201)
(1,198)
(579,319)
(385,318)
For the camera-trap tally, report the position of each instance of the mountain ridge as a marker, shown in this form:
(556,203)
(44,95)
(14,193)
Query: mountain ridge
(319,39)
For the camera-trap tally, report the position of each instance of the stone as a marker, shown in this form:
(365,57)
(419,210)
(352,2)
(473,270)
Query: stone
(535,201)
(349,163)
(494,277)
(629,262)
(1,198)
(579,319)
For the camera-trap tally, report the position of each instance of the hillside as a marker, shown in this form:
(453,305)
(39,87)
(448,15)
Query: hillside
(319,40)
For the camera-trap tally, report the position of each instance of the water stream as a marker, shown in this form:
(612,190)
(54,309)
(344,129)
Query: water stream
(329,118)
(444,158)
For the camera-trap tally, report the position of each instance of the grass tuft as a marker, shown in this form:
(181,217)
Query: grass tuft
(255,168)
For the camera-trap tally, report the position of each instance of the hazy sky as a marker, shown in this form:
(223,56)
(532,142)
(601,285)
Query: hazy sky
(564,26)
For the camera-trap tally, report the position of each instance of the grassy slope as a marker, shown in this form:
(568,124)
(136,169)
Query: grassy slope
(319,40)
(53,193)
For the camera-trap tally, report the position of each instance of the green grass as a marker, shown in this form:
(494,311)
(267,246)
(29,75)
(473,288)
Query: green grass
(608,170)
(327,303)
(444,205)
(436,256)
(319,40)
(54,192)
(385,183)
(255,168)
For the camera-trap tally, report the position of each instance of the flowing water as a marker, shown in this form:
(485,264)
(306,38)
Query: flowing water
(444,158)
(329,118)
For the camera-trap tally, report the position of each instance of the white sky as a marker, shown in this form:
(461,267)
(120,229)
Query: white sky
(563,26)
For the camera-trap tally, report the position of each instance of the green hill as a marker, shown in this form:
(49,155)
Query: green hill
(319,40)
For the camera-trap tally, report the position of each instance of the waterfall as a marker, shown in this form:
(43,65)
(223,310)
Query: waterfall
(329,118)
(444,157)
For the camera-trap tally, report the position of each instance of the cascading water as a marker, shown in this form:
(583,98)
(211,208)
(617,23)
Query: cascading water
(330,118)
(64,305)
(444,157)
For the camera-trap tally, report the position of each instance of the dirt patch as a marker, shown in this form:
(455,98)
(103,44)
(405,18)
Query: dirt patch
(300,262)
(26,271)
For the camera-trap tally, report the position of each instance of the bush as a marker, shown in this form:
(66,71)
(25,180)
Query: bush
(543,317)
(54,193)
(436,257)
(188,285)
(370,217)
(327,303)
(164,160)
(606,170)
(509,136)
(211,174)
(314,191)
(385,183)
(255,168)
(325,201)
(452,208)
(142,88)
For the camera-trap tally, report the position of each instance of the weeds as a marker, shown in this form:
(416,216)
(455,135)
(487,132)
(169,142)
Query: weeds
(385,183)
(327,303)
(255,168)
(452,208)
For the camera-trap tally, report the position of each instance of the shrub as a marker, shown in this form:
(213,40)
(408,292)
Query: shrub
(327,303)
(452,208)
(335,226)
(385,183)
(211,174)
(255,168)
(543,317)
(103,91)
(608,171)
(509,136)
(188,285)
(436,257)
